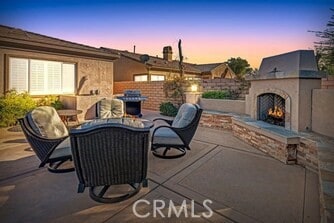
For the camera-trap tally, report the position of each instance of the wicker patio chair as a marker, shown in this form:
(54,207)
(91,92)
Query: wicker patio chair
(178,134)
(107,155)
(48,137)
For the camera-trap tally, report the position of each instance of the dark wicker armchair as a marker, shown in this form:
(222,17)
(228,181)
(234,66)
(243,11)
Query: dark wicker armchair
(110,154)
(178,134)
(48,137)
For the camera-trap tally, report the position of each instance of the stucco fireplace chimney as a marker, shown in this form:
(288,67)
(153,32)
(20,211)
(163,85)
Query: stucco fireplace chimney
(167,53)
(289,77)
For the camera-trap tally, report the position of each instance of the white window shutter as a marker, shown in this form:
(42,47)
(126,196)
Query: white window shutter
(37,77)
(18,74)
(53,77)
(68,78)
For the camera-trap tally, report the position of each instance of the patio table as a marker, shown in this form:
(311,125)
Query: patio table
(66,114)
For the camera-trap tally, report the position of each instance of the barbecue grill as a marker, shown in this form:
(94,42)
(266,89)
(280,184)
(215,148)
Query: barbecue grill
(133,99)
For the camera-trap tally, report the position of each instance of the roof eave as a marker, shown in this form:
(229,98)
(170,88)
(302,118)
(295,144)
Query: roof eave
(52,48)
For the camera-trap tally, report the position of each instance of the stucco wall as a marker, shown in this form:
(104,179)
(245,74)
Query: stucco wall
(124,68)
(322,111)
(297,92)
(305,102)
(235,106)
(99,72)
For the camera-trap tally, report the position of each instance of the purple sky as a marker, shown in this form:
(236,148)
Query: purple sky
(211,31)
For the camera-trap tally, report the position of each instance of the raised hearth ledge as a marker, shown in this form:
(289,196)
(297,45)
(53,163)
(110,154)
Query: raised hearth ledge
(275,132)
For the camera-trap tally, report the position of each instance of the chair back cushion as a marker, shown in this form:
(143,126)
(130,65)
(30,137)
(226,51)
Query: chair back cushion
(46,122)
(110,108)
(185,115)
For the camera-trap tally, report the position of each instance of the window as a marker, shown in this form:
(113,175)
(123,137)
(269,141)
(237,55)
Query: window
(39,77)
(140,77)
(157,77)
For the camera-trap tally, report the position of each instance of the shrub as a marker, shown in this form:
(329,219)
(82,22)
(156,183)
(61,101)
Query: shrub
(168,109)
(14,105)
(216,94)
(51,100)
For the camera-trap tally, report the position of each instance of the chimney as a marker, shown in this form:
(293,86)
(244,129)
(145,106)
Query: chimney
(134,48)
(167,53)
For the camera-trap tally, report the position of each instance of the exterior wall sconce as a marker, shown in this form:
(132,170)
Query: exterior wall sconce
(194,87)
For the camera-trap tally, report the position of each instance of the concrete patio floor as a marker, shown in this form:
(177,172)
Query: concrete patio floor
(243,184)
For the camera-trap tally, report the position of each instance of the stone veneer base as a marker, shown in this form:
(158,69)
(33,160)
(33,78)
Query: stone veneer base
(314,152)
(284,145)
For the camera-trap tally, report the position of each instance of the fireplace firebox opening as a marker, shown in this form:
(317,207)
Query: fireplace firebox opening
(271,109)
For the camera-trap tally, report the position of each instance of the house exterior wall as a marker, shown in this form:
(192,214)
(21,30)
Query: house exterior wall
(220,70)
(98,72)
(125,68)
(99,75)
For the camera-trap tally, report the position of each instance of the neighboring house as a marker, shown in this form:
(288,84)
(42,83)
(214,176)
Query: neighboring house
(215,70)
(43,65)
(142,67)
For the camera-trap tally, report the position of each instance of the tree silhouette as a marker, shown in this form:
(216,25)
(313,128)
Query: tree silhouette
(239,66)
(325,47)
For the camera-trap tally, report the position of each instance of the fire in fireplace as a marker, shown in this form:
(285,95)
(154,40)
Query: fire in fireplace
(271,109)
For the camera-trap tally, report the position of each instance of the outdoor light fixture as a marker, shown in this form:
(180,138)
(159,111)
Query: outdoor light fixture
(194,87)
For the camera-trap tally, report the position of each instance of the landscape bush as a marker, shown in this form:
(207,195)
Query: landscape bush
(51,100)
(14,105)
(168,109)
(224,94)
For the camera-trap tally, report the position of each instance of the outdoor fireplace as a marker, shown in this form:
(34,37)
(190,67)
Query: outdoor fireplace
(281,92)
(271,109)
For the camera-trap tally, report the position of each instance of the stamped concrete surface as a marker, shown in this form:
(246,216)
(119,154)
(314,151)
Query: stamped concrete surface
(238,182)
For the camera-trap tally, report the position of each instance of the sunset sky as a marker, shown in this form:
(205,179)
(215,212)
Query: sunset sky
(211,31)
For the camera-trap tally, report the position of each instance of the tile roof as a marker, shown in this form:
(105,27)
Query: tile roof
(155,62)
(206,67)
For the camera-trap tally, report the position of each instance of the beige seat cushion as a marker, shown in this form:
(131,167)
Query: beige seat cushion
(48,122)
(111,108)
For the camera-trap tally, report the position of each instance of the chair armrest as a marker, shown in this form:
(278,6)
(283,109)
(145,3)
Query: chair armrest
(168,121)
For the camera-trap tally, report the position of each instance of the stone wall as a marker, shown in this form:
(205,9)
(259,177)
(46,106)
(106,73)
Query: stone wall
(216,121)
(284,152)
(241,87)
(307,153)
(328,82)
(296,149)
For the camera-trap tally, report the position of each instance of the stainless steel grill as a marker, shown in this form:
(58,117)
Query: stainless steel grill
(133,99)
(132,95)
